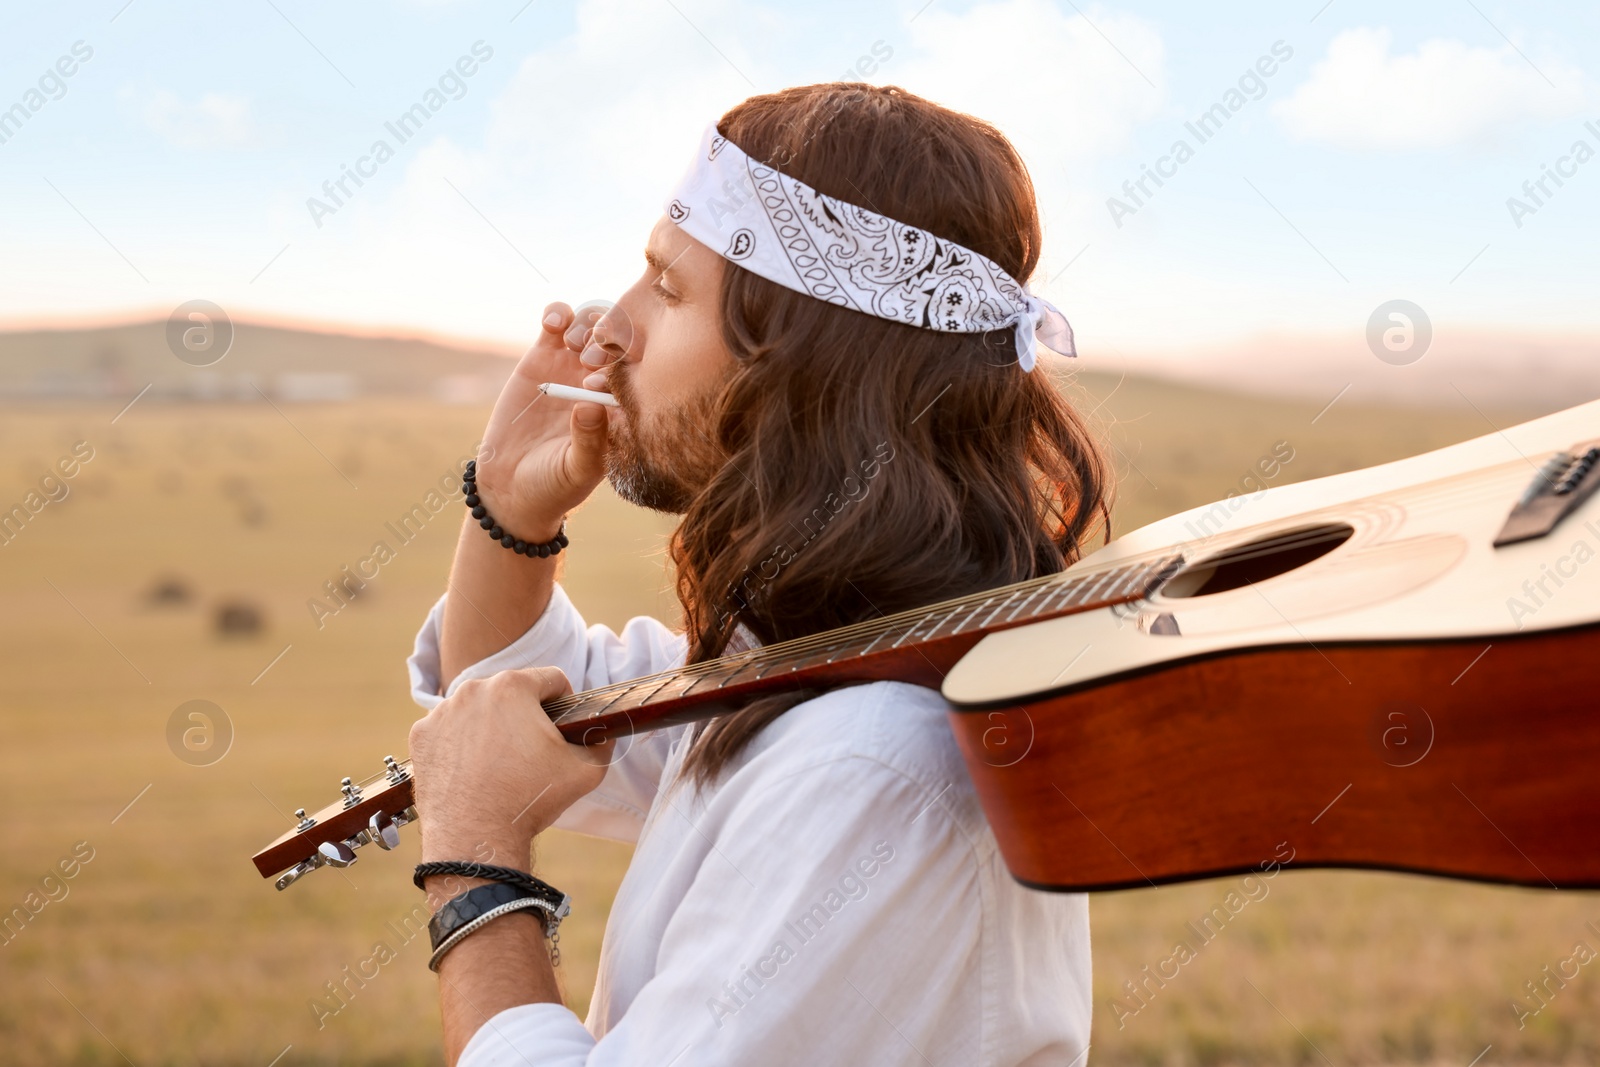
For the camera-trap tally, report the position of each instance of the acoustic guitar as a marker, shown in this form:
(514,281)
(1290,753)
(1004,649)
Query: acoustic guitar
(1393,668)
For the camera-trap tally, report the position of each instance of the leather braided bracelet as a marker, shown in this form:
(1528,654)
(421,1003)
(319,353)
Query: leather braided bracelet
(469,487)
(488,871)
(512,890)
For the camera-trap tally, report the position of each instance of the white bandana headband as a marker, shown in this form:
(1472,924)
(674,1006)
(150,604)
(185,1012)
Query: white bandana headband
(787,232)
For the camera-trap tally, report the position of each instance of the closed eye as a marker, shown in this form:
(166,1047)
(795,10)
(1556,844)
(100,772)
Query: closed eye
(665,294)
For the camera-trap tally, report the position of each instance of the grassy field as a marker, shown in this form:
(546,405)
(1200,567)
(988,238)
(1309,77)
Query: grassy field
(165,947)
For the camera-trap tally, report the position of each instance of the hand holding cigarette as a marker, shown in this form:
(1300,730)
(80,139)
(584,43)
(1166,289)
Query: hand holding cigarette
(540,461)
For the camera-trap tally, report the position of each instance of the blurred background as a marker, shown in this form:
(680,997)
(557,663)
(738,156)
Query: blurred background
(1372,234)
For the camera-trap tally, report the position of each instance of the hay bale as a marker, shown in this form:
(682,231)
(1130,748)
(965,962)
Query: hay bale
(238,618)
(169,591)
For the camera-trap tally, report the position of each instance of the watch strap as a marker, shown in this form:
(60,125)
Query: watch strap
(460,910)
(461,932)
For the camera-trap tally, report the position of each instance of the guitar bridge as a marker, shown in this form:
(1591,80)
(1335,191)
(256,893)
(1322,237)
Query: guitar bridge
(1565,482)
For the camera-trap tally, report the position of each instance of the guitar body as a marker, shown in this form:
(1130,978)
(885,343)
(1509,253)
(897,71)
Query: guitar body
(1363,677)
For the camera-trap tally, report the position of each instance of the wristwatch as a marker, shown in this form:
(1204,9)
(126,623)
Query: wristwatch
(477,907)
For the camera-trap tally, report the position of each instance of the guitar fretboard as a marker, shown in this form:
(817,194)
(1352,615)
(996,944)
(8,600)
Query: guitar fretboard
(914,646)
(859,651)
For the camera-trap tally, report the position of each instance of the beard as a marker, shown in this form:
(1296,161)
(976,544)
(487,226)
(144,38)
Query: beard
(663,466)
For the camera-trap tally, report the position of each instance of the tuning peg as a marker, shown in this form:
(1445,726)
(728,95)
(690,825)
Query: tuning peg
(336,853)
(295,873)
(306,823)
(393,771)
(382,829)
(352,795)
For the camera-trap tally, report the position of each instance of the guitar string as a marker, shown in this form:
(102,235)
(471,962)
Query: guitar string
(885,623)
(1420,502)
(774,657)
(799,648)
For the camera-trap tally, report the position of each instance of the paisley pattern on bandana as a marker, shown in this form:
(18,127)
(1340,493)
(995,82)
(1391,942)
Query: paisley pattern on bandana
(842,253)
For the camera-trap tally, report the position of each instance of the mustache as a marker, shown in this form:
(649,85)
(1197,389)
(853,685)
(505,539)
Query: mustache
(620,385)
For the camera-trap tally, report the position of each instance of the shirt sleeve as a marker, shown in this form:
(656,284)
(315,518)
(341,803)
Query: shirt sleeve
(590,657)
(799,947)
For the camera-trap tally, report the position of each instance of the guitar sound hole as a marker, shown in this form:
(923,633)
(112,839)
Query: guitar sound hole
(1258,560)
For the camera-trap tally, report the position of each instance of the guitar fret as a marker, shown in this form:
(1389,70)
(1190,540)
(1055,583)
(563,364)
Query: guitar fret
(1092,589)
(662,691)
(946,618)
(810,656)
(875,640)
(942,619)
(907,635)
(1118,587)
(763,672)
(1087,589)
(607,706)
(751,660)
(972,613)
(664,683)
(1063,590)
(1018,609)
(1133,576)
(999,608)
(1096,588)
(703,676)
(796,660)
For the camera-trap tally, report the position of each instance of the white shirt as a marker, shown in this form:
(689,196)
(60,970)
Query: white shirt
(836,898)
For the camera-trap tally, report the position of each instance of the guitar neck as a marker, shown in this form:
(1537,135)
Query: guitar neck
(916,646)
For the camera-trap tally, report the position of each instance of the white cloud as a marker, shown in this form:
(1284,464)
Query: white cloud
(1067,92)
(215,121)
(581,148)
(1446,93)
(593,129)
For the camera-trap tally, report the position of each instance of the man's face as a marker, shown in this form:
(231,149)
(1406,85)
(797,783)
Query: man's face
(665,363)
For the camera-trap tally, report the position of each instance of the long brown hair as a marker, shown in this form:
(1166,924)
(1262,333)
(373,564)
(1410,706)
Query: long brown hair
(872,466)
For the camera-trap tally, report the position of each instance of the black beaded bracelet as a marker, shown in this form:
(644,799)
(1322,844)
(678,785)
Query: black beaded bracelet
(543,550)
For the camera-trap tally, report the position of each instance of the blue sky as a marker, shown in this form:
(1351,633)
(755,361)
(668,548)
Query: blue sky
(1375,161)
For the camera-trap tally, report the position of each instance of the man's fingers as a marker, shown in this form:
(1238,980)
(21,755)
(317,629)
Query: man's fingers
(590,430)
(583,321)
(557,317)
(548,682)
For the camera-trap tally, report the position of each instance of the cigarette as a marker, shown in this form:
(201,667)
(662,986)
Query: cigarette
(572,392)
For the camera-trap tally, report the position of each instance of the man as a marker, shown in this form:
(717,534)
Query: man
(827,370)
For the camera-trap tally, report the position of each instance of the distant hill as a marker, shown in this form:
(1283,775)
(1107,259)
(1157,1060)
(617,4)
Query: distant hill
(1462,366)
(1462,370)
(295,365)
(285,364)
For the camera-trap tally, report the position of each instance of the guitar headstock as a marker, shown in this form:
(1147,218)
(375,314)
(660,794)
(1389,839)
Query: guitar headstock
(369,812)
